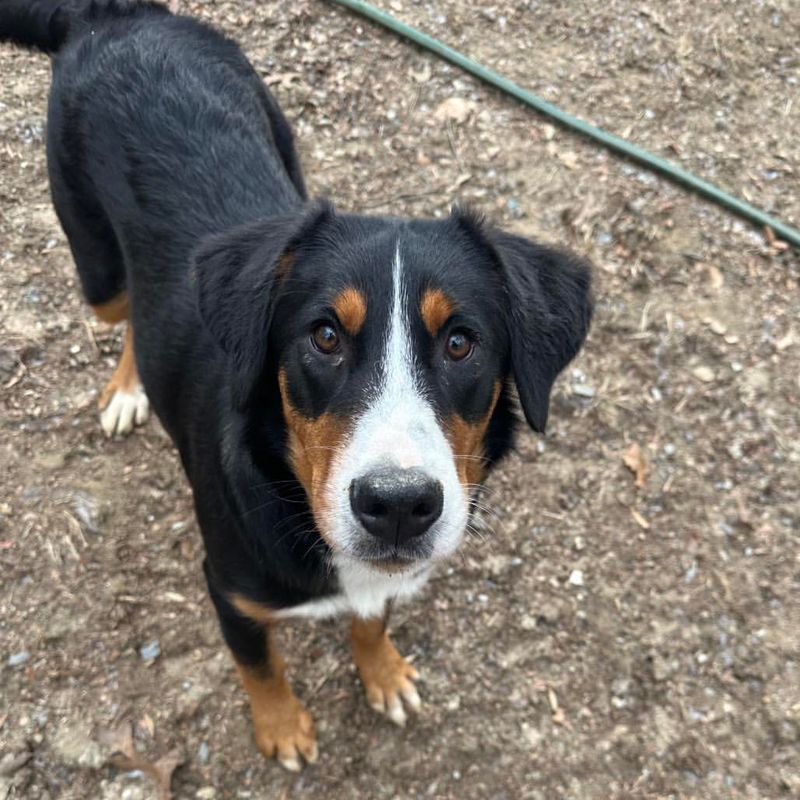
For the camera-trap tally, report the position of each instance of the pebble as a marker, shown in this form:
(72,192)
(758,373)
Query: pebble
(150,651)
(576,577)
(703,373)
(206,793)
(203,753)
(18,659)
(582,390)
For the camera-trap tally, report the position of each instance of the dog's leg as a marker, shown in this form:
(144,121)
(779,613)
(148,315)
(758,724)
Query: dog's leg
(387,677)
(283,728)
(123,403)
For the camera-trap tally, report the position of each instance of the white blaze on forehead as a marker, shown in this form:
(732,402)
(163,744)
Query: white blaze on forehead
(398,429)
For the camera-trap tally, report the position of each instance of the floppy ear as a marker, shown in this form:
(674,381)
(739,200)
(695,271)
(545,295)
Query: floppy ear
(238,274)
(550,309)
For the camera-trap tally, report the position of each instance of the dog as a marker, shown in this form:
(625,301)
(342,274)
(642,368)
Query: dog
(337,385)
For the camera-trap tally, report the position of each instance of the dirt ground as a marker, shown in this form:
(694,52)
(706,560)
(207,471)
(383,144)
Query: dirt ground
(601,640)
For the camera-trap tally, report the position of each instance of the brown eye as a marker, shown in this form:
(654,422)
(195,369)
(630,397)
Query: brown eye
(325,339)
(459,345)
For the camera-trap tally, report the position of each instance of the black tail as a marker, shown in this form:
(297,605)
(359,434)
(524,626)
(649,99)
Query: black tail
(46,24)
(42,24)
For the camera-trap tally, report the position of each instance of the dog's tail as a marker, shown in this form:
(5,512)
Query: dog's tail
(47,24)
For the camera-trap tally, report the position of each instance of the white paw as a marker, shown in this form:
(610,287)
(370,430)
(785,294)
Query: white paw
(124,411)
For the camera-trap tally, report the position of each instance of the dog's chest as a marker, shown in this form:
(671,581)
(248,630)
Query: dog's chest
(362,592)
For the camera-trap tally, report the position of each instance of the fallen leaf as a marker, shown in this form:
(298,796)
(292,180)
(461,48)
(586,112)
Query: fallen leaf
(124,756)
(715,278)
(634,460)
(454,109)
(147,725)
(422,75)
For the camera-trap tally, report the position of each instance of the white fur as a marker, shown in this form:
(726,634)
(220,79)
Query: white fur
(364,591)
(124,411)
(398,429)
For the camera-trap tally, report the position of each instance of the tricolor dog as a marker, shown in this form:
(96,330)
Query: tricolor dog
(337,385)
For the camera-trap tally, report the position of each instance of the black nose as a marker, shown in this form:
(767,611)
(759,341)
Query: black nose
(396,505)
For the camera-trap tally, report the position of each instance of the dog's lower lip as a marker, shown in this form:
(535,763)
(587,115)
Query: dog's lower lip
(392,560)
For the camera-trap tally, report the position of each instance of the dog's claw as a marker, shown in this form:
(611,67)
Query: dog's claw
(389,681)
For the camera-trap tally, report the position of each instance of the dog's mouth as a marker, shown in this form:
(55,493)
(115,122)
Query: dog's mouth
(392,558)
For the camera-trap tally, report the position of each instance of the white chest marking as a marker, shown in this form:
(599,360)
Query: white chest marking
(363,591)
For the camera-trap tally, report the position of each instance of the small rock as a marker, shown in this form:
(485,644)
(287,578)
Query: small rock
(150,651)
(527,622)
(583,390)
(203,753)
(18,659)
(206,793)
(703,373)
(576,577)
(549,612)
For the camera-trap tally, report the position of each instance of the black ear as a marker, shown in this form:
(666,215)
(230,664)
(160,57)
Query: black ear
(238,274)
(549,310)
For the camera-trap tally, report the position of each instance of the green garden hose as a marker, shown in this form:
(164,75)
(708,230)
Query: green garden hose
(616,143)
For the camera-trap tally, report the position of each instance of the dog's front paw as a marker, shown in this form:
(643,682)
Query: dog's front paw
(123,409)
(387,677)
(285,731)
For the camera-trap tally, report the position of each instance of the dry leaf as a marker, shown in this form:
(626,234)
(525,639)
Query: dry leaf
(634,460)
(640,520)
(715,278)
(125,757)
(454,109)
(147,725)
(422,75)
(568,158)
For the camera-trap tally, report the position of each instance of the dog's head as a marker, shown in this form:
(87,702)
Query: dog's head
(392,344)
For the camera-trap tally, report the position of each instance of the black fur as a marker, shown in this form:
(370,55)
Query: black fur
(174,175)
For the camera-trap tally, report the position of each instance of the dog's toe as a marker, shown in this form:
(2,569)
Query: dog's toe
(125,410)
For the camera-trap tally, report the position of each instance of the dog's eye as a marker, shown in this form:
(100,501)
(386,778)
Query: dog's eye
(459,345)
(325,338)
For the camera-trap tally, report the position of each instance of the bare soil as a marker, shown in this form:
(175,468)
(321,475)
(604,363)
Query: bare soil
(600,640)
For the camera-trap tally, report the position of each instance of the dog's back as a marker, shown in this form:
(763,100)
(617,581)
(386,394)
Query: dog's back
(159,133)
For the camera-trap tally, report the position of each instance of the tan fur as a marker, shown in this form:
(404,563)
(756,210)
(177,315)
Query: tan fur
(283,728)
(350,306)
(312,446)
(435,308)
(257,612)
(386,675)
(125,376)
(466,439)
(114,311)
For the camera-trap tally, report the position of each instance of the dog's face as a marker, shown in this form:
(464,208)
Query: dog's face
(393,342)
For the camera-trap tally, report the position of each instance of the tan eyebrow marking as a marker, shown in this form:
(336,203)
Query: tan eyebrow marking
(350,306)
(436,308)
